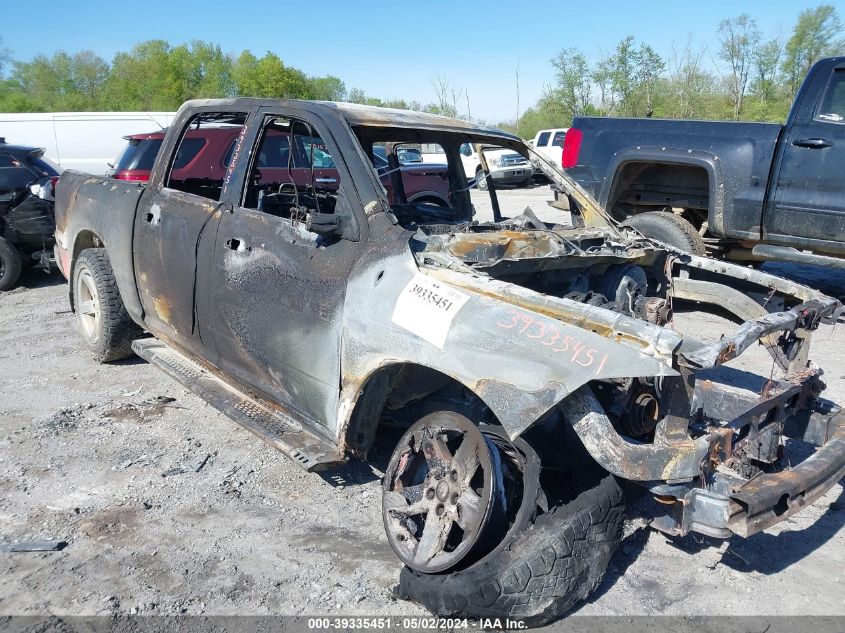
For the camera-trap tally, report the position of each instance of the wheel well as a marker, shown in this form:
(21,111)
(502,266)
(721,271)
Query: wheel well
(399,394)
(429,197)
(639,187)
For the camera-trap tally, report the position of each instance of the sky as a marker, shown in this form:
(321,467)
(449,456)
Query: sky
(395,49)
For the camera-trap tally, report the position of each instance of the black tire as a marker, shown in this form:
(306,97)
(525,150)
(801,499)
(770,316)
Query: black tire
(109,331)
(669,228)
(537,573)
(481,181)
(11,264)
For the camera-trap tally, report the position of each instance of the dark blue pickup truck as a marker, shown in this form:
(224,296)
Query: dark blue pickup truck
(745,191)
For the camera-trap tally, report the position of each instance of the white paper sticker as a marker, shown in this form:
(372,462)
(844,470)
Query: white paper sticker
(427,307)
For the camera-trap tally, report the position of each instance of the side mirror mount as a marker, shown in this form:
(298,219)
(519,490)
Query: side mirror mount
(327,224)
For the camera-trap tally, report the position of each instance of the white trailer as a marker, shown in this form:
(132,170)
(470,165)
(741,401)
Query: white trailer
(86,141)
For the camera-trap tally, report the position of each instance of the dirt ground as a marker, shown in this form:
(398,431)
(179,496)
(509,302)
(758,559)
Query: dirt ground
(169,507)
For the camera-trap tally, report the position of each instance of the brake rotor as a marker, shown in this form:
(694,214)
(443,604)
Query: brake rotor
(439,492)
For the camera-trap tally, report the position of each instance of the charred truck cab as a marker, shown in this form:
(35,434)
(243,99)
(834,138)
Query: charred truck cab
(526,364)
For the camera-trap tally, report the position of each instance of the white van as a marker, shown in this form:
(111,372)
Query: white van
(86,141)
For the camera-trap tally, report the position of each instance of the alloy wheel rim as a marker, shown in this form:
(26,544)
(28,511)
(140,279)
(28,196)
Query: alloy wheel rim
(88,305)
(438,492)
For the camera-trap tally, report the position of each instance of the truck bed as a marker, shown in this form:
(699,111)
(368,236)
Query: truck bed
(737,155)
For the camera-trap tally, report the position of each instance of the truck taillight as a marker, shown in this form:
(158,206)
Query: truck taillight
(571,147)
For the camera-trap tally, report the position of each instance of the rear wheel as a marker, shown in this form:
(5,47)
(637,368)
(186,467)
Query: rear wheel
(11,264)
(105,326)
(669,228)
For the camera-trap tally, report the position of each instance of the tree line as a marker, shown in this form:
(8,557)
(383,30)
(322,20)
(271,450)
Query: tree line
(742,75)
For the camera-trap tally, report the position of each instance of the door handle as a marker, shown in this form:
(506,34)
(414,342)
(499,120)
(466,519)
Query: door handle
(237,245)
(812,143)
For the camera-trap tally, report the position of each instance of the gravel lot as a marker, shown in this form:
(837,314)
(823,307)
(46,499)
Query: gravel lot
(169,507)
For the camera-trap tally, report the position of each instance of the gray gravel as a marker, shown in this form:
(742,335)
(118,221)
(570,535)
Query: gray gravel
(169,507)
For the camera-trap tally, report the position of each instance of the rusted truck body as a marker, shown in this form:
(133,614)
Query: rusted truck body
(320,316)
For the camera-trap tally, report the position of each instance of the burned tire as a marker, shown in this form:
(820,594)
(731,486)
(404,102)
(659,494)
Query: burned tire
(669,228)
(102,320)
(538,572)
(11,264)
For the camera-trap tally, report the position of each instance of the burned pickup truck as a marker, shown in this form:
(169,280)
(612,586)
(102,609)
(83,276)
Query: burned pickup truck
(514,368)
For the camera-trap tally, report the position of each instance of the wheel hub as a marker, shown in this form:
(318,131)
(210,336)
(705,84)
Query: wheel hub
(442,490)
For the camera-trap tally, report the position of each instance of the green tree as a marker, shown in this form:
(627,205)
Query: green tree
(269,77)
(812,38)
(634,73)
(738,39)
(89,73)
(688,90)
(574,81)
(766,62)
(46,81)
(201,70)
(602,76)
(145,79)
(328,88)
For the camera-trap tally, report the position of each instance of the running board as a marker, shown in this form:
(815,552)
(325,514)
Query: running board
(278,428)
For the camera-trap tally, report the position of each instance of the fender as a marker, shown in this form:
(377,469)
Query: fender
(711,163)
(106,208)
(519,351)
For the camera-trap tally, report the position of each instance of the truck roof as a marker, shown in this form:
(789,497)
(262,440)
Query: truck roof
(364,115)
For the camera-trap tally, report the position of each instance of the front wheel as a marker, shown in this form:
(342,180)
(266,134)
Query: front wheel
(11,264)
(102,320)
(539,571)
(481,179)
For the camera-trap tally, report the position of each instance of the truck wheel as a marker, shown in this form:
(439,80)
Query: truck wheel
(540,569)
(481,180)
(11,264)
(669,228)
(102,320)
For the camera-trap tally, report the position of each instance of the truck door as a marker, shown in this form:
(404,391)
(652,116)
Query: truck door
(175,225)
(276,290)
(808,200)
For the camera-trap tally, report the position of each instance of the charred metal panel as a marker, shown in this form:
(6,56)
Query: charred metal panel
(169,226)
(106,208)
(521,361)
(275,308)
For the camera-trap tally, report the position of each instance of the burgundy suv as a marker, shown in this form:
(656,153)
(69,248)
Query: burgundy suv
(423,182)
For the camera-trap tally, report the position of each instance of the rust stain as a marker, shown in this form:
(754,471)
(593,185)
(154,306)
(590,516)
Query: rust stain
(727,354)
(162,309)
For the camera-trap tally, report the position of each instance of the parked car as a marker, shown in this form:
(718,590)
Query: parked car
(206,146)
(27,222)
(410,155)
(745,191)
(550,143)
(526,364)
(506,167)
(214,146)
